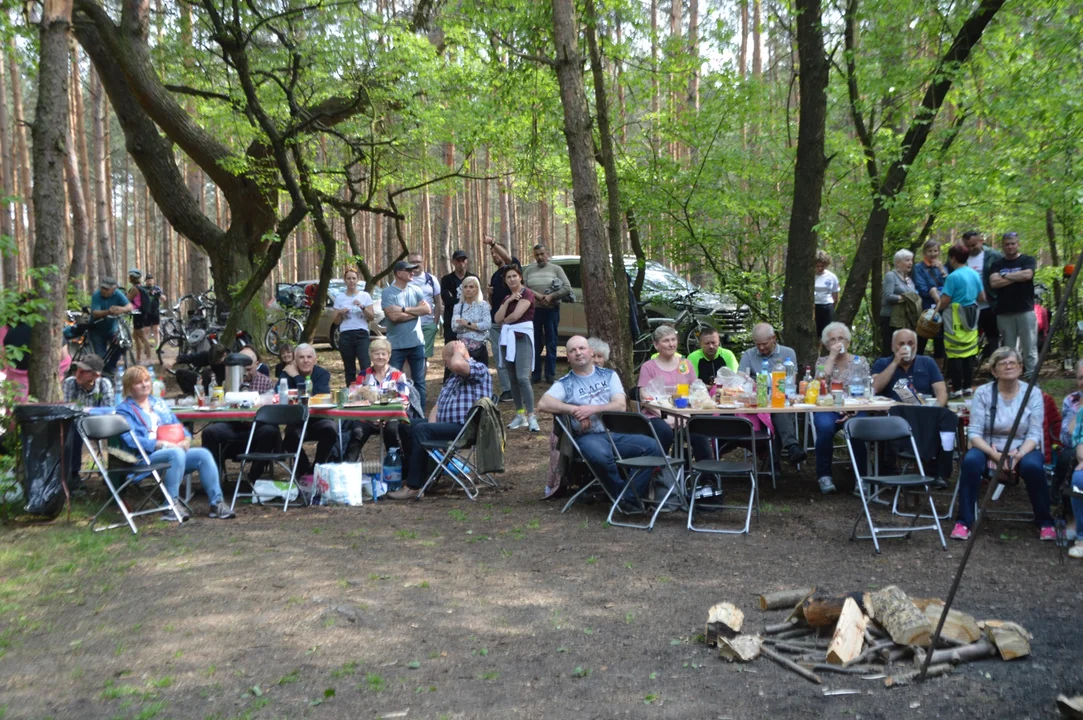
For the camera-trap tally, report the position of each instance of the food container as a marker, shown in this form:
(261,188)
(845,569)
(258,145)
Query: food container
(839,397)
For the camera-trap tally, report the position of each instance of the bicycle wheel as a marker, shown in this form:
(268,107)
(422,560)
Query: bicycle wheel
(282,330)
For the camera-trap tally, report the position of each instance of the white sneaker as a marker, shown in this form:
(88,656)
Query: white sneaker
(826,486)
(518,422)
(532,423)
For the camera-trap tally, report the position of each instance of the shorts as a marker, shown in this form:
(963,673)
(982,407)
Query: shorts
(429,333)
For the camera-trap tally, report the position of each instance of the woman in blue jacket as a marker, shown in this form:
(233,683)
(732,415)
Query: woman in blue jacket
(145,415)
(929,276)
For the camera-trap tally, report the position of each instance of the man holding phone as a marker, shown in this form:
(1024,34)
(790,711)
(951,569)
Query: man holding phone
(920,371)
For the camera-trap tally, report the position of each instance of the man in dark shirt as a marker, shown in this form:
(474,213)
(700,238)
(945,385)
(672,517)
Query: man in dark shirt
(323,430)
(449,290)
(1012,276)
(920,370)
(497,292)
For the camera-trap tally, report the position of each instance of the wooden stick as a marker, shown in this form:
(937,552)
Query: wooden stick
(956,655)
(893,654)
(869,652)
(852,670)
(784,598)
(800,632)
(780,627)
(807,674)
(906,677)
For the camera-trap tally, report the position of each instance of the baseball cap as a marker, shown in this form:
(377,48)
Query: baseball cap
(404,265)
(134,272)
(108,282)
(93,363)
(459,255)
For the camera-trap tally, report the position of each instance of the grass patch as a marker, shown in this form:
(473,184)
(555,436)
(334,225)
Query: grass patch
(293,677)
(373,683)
(489,675)
(406,534)
(457,515)
(347,668)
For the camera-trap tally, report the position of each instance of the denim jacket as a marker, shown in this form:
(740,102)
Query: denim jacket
(141,423)
(925,279)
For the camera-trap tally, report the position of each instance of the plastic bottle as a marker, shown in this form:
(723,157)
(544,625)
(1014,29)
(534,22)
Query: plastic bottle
(812,390)
(857,378)
(802,388)
(791,379)
(392,469)
(778,385)
(763,386)
(308,386)
(283,392)
(120,371)
(157,387)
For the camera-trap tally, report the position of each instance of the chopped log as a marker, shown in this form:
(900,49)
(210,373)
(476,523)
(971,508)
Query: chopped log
(742,647)
(723,620)
(789,665)
(849,635)
(780,627)
(1011,639)
(959,626)
(957,655)
(784,598)
(903,621)
(909,676)
(1070,707)
(922,603)
(824,610)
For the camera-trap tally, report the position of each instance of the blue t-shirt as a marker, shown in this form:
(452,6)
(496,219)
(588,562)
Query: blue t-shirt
(403,335)
(963,286)
(598,388)
(922,374)
(107,326)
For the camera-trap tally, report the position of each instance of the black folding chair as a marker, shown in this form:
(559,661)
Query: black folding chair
(883,430)
(726,431)
(628,423)
(280,415)
(455,457)
(95,428)
(596,488)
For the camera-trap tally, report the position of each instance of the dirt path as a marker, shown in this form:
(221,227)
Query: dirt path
(494,609)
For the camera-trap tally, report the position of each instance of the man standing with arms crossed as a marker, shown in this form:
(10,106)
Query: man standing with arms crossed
(404,306)
(1012,276)
(549,284)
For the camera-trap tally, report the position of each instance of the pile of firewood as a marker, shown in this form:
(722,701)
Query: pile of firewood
(880,635)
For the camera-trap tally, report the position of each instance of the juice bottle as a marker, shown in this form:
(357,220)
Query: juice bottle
(763,387)
(778,385)
(812,391)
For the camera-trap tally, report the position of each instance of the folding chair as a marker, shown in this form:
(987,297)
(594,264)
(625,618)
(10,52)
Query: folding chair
(627,423)
(279,415)
(95,428)
(724,430)
(878,430)
(455,457)
(915,415)
(562,428)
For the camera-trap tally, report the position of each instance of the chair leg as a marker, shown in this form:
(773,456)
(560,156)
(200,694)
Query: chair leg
(573,498)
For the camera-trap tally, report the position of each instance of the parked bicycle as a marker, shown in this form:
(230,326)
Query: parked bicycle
(688,325)
(77,334)
(287,327)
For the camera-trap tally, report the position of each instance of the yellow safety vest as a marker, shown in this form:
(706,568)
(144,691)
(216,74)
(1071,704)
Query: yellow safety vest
(960,343)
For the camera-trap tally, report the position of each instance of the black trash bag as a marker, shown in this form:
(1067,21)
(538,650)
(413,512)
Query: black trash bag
(40,427)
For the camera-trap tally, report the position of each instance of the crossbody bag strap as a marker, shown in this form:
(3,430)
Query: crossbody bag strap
(992,411)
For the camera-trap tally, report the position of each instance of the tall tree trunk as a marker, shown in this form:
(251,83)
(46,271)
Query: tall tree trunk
(798,314)
(79,122)
(7,206)
(757,40)
(102,183)
(693,54)
(21,147)
(50,138)
(83,265)
(742,58)
(596,263)
(1054,256)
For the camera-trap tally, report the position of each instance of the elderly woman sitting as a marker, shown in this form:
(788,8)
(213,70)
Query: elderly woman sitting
(992,414)
(837,365)
(148,416)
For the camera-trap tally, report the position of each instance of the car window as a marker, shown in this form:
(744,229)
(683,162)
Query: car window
(572,271)
(658,279)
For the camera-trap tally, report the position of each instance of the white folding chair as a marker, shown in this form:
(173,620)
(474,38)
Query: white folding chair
(627,423)
(455,457)
(596,487)
(710,496)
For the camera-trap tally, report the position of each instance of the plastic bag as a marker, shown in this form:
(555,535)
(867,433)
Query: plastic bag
(734,386)
(345,483)
(41,427)
(267,490)
(699,397)
(655,390)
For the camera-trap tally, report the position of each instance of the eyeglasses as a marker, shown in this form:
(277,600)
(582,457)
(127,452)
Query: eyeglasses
(1007,364)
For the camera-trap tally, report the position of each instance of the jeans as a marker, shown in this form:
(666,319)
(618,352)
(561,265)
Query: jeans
(701,446)
(183,462)
(415,356)
(323,430)
(1030,469)
(498,356)
(599,453)
(1077,504)
(410,438)
(353,345)
(521,391)
(826,426)
(1021,327)
(546,322)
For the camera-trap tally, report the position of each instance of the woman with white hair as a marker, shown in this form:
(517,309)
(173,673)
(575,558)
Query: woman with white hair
(471,319)
(837,365)
(896,283)
(600,349)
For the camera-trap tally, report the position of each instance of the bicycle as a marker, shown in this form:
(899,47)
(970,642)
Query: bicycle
(688,325)
(119,348)
(287,328)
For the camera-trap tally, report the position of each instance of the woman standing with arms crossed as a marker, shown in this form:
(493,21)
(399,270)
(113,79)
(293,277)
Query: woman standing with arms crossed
(353,312)
(516,317)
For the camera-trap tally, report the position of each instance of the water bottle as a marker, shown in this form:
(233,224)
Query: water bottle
(308,385)
(392,469)
(283,392)
(857,378)
(120,371)
(791,378)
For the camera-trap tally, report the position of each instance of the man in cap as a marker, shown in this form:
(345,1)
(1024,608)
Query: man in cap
(86,388)
(449,290)
(430,293)
(404,306)
(981,261)
(106,304)
(1012,277)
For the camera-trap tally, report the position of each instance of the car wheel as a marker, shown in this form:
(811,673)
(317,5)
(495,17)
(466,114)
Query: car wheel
(332,337)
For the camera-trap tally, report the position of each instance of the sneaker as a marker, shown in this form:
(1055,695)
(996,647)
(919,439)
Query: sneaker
(960,532)
(956,395)
(505,396)
(168,515)
(1047,533)
(796,454)
(969,392)
(518,422)
(856,492)
(221,511)
(406,493)
(826,486)
(532,423)
(1076,551)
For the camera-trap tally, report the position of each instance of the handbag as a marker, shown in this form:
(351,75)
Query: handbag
(172,433)
(929,324)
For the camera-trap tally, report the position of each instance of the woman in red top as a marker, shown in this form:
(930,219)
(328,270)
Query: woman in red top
(516,316)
